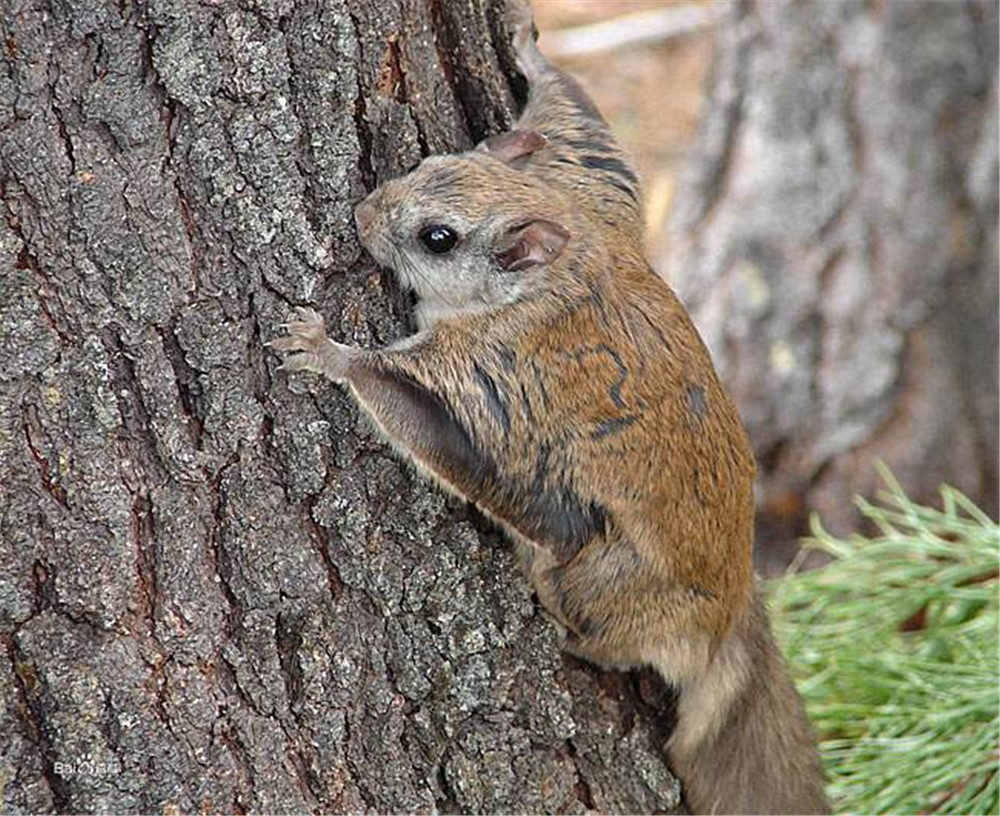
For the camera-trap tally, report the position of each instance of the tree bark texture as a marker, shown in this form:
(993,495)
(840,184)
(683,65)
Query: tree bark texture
(218,591)
(836,239)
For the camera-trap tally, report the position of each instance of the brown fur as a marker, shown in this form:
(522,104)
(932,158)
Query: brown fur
(561,387)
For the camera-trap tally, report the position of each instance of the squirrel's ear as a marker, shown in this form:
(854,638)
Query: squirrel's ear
(532,243)
(513,145)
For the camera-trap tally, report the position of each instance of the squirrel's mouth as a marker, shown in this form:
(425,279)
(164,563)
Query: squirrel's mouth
(381,250)
(390,257)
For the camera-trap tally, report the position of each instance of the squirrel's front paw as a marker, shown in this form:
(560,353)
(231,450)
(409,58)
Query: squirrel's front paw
(311,349)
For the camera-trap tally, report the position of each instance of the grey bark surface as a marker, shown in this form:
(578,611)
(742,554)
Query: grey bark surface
(217,589)
(836,240)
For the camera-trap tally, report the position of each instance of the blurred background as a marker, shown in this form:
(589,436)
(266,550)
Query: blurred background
(821,190)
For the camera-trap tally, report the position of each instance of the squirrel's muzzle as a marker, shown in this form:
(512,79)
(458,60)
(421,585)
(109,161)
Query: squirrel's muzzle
(364,217)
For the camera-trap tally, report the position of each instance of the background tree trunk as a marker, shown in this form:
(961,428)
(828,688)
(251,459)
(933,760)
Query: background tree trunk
(837,241)
(217,589)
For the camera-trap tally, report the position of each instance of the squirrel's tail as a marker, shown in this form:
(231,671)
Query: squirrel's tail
(742,742)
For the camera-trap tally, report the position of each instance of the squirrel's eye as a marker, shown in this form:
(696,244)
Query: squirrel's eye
(438,238)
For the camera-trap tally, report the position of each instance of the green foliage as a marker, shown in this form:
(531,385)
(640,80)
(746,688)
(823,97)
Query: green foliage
(894,645)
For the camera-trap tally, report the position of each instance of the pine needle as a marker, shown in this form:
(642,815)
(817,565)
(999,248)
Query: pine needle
(895,648)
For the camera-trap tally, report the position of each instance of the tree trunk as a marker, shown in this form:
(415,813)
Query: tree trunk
(218,591)
(837,242)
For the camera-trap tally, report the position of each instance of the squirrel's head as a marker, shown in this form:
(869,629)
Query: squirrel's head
(467,232)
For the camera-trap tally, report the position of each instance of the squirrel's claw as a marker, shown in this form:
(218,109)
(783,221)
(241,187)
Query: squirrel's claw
(302,361)
(308,346)
(306,334)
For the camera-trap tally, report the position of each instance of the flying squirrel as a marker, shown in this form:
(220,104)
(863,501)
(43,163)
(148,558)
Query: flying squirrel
(558,384)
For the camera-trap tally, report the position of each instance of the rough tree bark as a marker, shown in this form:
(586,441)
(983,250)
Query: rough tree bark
(218,592)
(837,241)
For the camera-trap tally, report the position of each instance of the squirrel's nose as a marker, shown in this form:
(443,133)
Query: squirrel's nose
(364,215)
